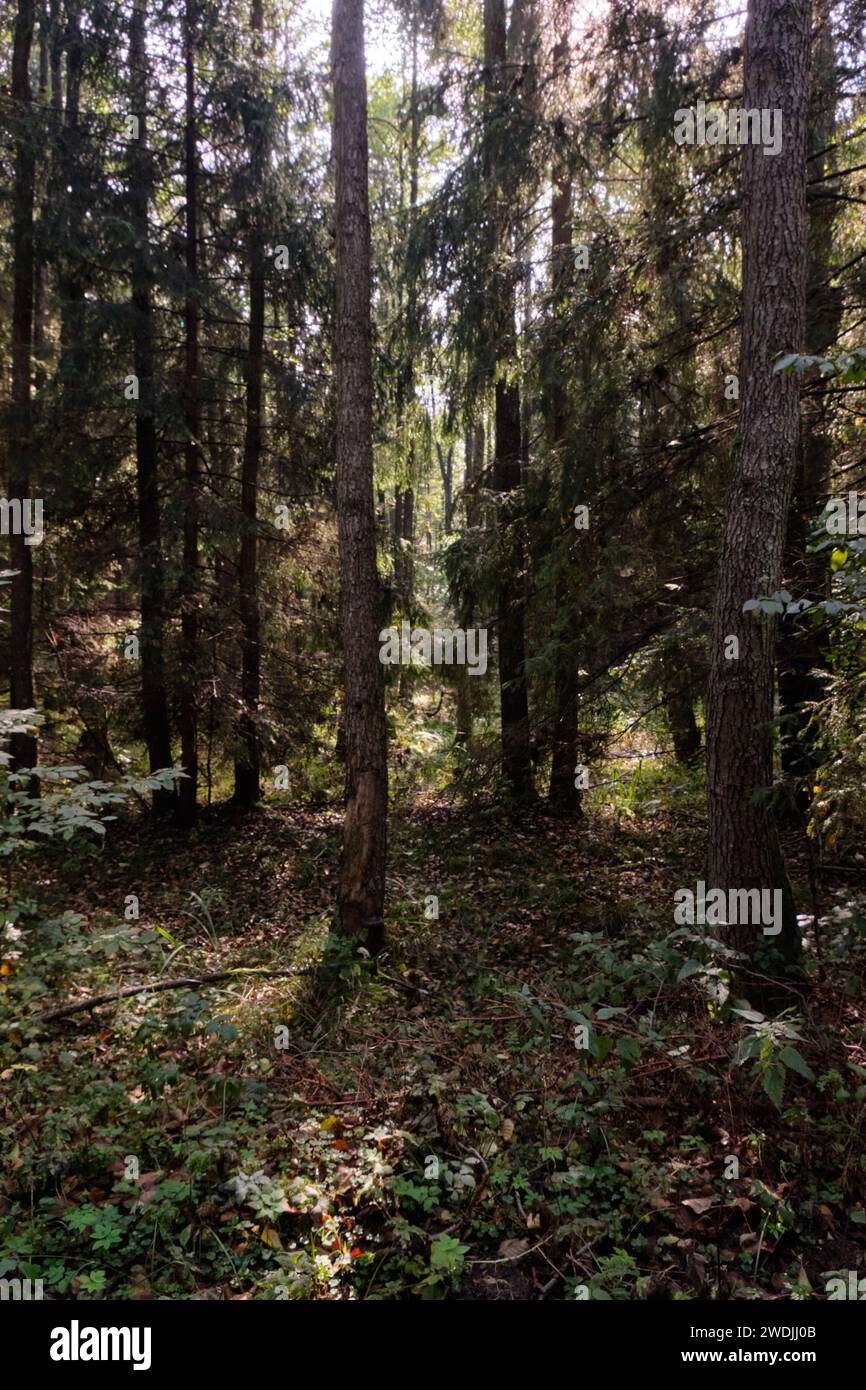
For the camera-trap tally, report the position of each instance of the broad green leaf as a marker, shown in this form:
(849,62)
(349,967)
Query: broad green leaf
(791,1058)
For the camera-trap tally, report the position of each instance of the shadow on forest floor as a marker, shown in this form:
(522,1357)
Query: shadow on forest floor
(535,1094)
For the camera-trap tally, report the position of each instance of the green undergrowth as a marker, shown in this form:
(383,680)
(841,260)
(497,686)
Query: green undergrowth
(543,1089)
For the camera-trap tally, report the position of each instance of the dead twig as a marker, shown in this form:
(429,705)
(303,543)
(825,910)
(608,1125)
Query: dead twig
(111,996)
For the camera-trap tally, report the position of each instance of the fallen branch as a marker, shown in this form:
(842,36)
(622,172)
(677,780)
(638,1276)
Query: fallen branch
(111,996)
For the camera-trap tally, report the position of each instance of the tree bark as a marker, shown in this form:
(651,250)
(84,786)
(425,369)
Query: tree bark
(73,305)
(23,748)
(361,893)
(513,696)
(743,844)
(157,731)
(474,446)
(446,470)
(247,762)
(563,792)
(188,786)
(679,706)
(803,646)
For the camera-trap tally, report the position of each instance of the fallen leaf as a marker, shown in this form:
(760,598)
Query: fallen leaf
(743,1203)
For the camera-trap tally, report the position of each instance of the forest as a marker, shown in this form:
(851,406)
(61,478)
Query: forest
(433,652)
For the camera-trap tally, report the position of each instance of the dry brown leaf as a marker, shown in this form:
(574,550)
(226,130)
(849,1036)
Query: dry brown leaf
(698,1204)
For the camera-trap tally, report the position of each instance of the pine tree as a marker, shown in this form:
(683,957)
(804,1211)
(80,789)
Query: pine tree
(743,849)
(247,787)
(188,787)
(20,441)
(513,695)
(361,893)
(152,581)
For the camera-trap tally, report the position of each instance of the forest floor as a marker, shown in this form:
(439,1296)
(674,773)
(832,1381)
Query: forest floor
(433,1127)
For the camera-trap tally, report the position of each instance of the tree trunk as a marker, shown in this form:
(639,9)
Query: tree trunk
(474,445)
(679,706)
(73,363)
(157,732)
(743,845)
(55,60)
(188,786)
(397,542)
(409,532)
(247,762)
(446,470)
(361,894)
(803,646)
(513,697)
(20,444)
(563,792)
(39,307)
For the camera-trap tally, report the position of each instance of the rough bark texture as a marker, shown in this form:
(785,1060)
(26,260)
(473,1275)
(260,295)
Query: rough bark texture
(20,445)
(513,696)
(247,763)
(188,787)
(404,509)
(563,792)
(743,847)
(157,732)
(803,654)
(362,872)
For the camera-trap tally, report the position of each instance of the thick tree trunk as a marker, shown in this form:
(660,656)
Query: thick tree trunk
(404,556)
(188,786)
(157,732)
(743,846)
(563,792)
(247,762)
(361,894)
(803,646)
(20,444)
(513,696)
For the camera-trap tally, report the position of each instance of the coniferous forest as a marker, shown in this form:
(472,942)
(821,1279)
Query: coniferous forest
(433,652)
